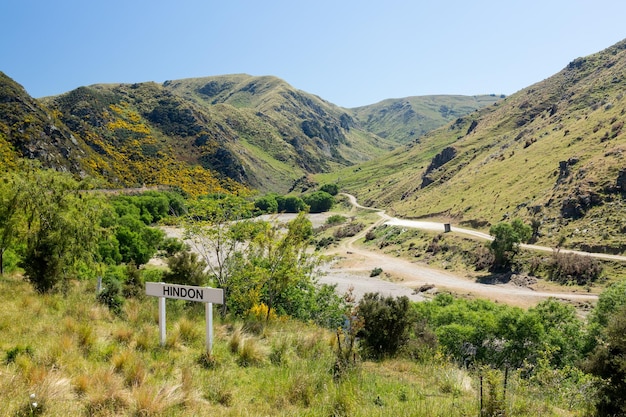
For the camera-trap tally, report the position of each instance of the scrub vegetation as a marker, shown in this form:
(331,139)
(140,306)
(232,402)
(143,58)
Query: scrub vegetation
(284,345)
(79,336)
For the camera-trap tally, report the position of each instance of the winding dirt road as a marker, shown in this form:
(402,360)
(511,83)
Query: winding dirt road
(353,265)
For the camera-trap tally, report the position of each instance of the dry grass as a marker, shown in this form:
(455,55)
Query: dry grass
(102,365)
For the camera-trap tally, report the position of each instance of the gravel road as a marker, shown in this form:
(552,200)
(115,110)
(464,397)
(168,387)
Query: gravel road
(352,265)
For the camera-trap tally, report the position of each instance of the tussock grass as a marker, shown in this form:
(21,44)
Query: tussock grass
(111,365)
(251,353)
(188,331)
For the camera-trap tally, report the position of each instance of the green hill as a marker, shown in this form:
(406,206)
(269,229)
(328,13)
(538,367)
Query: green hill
(201,134)
(550,154)
(406,119)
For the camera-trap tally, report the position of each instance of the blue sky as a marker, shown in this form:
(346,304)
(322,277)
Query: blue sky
(350,53)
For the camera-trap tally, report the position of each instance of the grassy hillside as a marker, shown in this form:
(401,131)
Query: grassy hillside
(302,127)
(203,134)
(406,119)
(77,358)
(551,153)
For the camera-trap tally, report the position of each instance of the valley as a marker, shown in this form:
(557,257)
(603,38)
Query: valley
(209,154)
(349,266)
(353,263)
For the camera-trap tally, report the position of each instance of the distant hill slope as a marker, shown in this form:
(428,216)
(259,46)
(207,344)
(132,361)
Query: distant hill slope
(200,134)
(28,129)
(406,119)
(552,154)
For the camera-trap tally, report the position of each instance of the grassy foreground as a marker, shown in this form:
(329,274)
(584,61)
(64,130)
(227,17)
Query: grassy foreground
(77,358)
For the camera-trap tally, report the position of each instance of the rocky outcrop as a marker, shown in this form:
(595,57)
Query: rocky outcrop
(564,168)
(577,205)
(621,181)
(442,158)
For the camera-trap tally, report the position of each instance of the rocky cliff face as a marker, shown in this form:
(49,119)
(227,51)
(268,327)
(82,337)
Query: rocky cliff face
(35,132)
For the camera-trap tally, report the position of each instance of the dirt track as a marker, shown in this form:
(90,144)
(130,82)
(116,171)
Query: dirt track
(353,265)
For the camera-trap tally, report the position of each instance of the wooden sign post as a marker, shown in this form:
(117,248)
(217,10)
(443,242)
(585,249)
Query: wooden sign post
(206,295)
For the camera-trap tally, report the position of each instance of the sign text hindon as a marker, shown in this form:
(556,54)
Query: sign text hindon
(185,292)
(206,295)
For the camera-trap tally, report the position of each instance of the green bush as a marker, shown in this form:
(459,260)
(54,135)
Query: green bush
(111,293)
(609,302)
(319,201)
(507,237)
(133,282)
(171,246)
(332,189)
(42,266)
(10,261)
(483,332)
(291,204)
(152,275)
(266,204)
(186,268)
(335,219)
(387,322)
(376,272)
(137,242)
(608,361)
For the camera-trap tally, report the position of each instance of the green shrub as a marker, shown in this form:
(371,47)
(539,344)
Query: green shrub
(133,282)
(608,361)
(266,204)
(111,292)
(186,268)
(336,219)
(171,246)
(291,204)
(332,189)
(152,275)
(10,261)
(387,321)
(319,201)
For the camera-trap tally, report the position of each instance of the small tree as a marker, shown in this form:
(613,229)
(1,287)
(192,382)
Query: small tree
(280,261)
(137,241)
(111,294)
(12,196)
(62,228)
(290,204)
(506,240)
(266,204)
(216,231)
(332,189)
(319,201)
(387,322)
(612,299)
(186,268)
(608,361)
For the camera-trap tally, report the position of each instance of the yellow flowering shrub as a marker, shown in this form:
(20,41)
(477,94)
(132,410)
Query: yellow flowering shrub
(259,312)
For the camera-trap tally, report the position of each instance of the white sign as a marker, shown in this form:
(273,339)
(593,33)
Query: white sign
(206,295)
(185,292)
